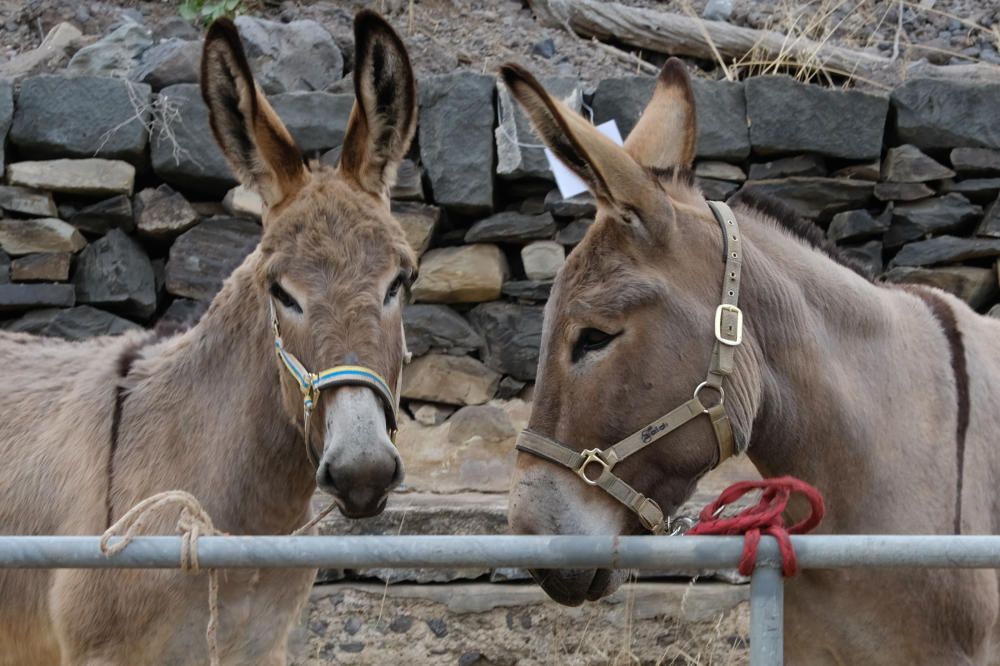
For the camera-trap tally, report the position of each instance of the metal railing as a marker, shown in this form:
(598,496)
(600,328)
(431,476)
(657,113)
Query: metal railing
(566,552)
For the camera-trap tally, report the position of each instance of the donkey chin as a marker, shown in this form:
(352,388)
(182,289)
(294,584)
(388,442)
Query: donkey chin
(571,587)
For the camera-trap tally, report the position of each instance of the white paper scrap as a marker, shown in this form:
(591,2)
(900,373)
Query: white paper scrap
(569,183)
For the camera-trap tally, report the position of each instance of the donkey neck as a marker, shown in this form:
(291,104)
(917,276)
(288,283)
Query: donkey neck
(216,426)
(834,356)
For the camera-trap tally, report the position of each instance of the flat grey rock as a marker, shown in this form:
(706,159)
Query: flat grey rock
(945,214)
(908,164)
(114,272)
(513,335)
(947,113)
(791,117)
(456,140)
(285,57)
(20,297)
(946,250)
(853,225)
(783,167)
(187,157)
(816,198)
(77,323)
(511,227)
(101,217)
(438,328)
(203,257)
(316,120)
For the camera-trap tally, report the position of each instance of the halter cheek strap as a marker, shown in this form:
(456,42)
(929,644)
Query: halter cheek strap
(312,384)
(594,466)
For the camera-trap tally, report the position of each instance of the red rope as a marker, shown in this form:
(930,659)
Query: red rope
(763,518)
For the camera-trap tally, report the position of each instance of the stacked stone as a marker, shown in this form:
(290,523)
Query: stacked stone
(112,216)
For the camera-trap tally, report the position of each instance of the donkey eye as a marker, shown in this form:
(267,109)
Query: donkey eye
(591,339)
(394,288)
(285,298)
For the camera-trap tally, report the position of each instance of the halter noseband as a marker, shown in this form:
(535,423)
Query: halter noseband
(311,384)
(728,336)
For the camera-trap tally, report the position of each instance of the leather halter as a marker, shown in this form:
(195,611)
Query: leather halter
(728,336)
(311,384)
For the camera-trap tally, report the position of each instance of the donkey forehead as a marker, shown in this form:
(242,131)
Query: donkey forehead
(332,227)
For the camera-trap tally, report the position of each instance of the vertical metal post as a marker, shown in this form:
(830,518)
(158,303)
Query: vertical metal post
(767,615)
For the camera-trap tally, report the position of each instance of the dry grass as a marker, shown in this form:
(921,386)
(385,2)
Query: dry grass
(851,23)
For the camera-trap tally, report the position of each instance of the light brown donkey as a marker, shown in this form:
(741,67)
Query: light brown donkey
(884,398)
(89,429)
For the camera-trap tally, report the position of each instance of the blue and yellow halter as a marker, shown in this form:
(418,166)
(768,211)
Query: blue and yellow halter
(312,383)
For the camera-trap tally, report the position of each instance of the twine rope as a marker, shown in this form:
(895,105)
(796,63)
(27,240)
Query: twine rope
(193,522)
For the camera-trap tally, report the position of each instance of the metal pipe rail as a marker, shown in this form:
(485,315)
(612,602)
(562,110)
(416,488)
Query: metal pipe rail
(570,552)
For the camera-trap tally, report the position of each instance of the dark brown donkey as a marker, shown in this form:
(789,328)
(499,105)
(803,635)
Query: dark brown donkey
(885,398)
(90,429)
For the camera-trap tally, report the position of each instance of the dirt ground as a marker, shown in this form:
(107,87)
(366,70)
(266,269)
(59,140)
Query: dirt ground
(444,35)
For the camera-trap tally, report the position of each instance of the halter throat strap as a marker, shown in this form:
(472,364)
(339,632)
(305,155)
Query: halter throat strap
(594,466)
(312,384)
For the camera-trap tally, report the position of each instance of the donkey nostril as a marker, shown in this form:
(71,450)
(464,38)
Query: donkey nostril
(324,478)
(397,473)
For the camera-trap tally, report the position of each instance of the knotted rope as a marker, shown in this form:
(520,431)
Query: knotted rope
(193,522)
(763,518)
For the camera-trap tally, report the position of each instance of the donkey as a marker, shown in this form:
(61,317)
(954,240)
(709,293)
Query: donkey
(91,428)
(883,397)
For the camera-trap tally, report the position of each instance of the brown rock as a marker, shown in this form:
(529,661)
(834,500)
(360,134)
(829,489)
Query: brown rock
(162,213)
(465,274)
(489,422)
(27,201)
(454,380)
(48,267)
(419,222)
(46,234)
(975,286)
(908,164)
(91,176)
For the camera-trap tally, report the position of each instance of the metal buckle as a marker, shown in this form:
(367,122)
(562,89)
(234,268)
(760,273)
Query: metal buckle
(655,528)
(592,456)
(738,339)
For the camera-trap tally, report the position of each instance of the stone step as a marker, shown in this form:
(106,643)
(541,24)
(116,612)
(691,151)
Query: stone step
(480,623)
(482,513)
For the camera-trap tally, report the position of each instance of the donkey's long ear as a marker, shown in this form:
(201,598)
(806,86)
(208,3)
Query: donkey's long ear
(665,134)
(384,116)
(607,170)
(256,143)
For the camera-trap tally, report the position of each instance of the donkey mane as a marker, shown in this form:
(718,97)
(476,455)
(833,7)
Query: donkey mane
(775,211)
(805,230)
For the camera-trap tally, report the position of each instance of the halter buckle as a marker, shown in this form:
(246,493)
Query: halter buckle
(737,336)
(592,456)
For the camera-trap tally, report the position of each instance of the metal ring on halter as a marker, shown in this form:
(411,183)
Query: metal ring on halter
(592,456)
(703,385)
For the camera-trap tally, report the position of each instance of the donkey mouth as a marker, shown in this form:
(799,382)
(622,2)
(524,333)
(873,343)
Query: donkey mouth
(355,512)
(571,587)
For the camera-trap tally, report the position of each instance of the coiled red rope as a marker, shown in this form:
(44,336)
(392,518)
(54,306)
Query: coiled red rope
(763,518)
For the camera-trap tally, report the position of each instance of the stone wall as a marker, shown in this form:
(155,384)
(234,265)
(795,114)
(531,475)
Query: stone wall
(119,210)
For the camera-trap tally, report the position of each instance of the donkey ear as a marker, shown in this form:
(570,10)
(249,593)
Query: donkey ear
(665,134)
(606,169)
(253,139)
(384,116)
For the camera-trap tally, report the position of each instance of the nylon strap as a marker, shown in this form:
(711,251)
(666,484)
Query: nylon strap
(311,384)
(728,330)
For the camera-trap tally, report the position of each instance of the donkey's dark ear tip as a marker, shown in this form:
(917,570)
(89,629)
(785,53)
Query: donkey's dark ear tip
(511,72)
(367,20)
(673,72)
(222,28)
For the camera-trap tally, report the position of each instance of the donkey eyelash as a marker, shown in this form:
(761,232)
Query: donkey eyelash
(402,280)
(285,298)
(591,339)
